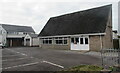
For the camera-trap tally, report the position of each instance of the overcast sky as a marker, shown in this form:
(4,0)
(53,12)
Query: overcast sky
(36,13)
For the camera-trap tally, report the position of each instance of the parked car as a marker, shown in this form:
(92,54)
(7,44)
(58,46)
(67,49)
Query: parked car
(1,45)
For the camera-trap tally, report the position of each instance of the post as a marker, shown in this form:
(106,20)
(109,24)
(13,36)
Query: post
(101,50)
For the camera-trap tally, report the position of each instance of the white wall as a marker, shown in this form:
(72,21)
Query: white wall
(35,41)
(2,35)
(27,37)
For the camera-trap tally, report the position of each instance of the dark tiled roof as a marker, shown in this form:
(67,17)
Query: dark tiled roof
(16,28)
(82,22)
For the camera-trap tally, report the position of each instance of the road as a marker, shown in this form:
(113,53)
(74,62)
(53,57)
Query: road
(36,59)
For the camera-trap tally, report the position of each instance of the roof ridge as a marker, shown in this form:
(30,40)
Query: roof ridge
(82,11)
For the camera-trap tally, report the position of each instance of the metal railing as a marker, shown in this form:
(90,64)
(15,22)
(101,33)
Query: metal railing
(110,57)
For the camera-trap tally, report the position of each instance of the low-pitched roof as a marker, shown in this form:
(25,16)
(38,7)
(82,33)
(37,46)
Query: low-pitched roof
(33,35)
(16,28)
(82,22)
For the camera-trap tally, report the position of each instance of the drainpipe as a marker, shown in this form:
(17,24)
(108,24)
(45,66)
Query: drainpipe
(101,50)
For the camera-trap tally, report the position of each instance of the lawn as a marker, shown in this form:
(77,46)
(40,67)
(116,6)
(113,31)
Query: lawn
(85,68)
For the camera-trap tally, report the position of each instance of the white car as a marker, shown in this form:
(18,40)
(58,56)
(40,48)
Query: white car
(1,45)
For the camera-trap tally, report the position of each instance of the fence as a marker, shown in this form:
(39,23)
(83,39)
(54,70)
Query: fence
(110,57)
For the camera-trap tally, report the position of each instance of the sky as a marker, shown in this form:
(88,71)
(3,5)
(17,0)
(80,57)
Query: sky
(36,13)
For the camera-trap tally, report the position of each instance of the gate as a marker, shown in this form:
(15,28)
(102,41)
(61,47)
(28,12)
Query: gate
(110,57)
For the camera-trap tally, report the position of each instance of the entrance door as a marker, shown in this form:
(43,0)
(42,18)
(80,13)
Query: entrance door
(80,43)
(27,42)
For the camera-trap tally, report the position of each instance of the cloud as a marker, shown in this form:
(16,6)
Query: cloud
(36,13)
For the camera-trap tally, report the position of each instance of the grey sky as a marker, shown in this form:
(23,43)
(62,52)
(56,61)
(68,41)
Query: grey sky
(36,13)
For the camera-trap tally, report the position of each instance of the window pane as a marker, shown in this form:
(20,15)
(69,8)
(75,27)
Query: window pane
(50,41)
(86,40)
(65,41)
(56,41)
(46,41)
(60,42)
(81,41)
(72,40)
(76,40)
(43,41)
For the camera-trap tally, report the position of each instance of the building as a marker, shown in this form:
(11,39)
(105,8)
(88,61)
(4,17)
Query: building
(13,35)
(115,39)
(83,30)
(31,40)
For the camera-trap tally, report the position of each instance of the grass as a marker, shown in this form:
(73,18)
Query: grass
(85,68)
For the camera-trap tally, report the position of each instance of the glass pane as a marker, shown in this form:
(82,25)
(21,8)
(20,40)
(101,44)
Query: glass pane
(50,41)
(76,40)
(65,41)
(81,41)
(86,40)
(60,42)
(72,40)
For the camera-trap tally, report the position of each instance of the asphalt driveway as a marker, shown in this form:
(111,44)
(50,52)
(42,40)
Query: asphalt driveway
(36,59)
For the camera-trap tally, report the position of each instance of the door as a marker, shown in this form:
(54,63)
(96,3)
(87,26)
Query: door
(80,43)
(27,42)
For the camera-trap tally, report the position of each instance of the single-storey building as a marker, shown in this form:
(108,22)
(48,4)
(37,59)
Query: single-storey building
(31,40)
(83,30)
(13,35)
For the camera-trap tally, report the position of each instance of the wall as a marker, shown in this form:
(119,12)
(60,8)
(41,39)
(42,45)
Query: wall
(27,37)
(95,43)
(35,42)
(2,35)
(107,39)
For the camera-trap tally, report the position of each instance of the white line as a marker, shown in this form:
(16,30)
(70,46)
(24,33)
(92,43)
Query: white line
(10,56)
(53,64)
(0,68)
(14,59)
(23,54)
(21,65)
(17,52)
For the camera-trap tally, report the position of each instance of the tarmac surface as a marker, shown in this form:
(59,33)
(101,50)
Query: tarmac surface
(37,59)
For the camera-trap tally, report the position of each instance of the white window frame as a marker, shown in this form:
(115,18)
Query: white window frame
(46,39)
(63,40)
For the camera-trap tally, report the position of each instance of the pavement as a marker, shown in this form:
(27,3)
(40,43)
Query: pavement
(37,59)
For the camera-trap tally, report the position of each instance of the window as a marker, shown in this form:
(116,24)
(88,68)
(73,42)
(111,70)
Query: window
(72,40)
(46,40)
(65,41)
(86,40)
(81,41)
(76,40)
(61,40)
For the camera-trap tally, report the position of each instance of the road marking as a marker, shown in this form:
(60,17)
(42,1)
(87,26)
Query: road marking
(53,64)
(0,68)
(9,56)
(14,59)
(21,65)
(57,65)
(18,52)
(23,54)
